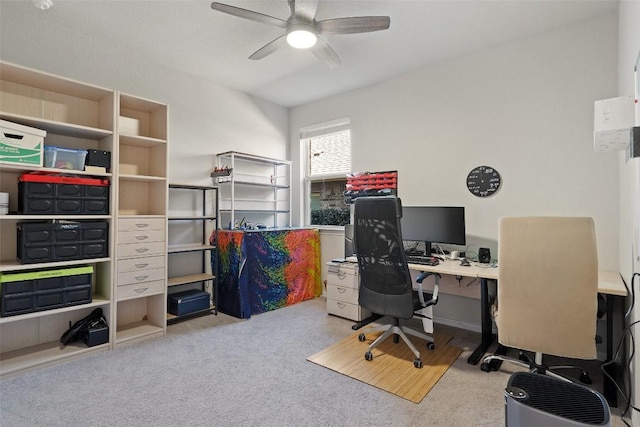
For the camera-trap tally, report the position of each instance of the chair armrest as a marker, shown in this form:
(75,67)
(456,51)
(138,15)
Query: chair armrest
(420,279)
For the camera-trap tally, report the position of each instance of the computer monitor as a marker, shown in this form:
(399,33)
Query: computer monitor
(433,224)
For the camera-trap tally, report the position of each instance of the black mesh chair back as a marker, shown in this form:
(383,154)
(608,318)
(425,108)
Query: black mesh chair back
(385,281)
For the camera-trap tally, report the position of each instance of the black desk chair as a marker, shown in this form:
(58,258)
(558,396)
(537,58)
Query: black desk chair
(385,282)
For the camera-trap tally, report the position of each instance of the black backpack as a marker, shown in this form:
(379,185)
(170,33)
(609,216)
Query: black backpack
(82,326)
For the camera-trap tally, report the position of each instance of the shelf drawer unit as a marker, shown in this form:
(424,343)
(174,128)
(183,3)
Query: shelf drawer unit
(137,290)
(343,284)
(140,264)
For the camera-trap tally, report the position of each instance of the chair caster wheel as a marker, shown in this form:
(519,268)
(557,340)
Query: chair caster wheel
(368,356)
(431,346)
(485,367)
(417,363)
(585,378)
(361,337)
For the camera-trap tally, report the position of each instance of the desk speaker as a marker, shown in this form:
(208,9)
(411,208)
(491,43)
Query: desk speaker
(484,255)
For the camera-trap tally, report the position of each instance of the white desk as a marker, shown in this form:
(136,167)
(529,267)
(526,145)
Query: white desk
(609,283)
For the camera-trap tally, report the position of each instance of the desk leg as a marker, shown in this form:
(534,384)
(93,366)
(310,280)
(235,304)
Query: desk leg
(609,389)
(487,333)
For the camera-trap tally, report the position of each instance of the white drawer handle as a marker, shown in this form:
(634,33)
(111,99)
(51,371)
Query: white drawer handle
(141,290)
(342,274)
(341,304)
(142,237)
(141,265)
(139,278)
(142,250)
(142,225)
(342,290)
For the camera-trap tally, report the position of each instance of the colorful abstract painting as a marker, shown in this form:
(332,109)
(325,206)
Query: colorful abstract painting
(267,269)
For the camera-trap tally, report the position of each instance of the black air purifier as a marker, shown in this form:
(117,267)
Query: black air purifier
(534,400)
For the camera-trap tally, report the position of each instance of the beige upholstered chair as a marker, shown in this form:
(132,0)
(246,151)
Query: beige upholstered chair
(547,288)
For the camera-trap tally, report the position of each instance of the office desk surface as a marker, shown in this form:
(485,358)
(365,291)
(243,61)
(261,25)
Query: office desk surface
(609,282)
(448,267)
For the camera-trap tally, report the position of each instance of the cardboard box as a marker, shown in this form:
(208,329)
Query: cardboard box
(21,145)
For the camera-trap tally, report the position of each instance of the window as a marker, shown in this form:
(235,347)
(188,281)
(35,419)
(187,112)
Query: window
(327,150)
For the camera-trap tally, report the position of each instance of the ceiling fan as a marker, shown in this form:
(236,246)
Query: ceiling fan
(304,32)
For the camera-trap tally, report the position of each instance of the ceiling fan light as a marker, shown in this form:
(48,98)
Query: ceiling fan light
(43,4)
(301,39)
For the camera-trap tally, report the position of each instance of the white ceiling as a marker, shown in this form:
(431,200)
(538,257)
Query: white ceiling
(189,36)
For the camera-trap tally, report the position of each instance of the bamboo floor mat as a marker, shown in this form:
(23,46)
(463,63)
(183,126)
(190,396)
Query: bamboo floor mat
(392,367)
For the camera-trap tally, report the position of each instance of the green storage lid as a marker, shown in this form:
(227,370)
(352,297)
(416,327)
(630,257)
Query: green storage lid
(44,274)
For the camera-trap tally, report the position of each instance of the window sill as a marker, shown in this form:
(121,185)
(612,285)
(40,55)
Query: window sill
(328,228)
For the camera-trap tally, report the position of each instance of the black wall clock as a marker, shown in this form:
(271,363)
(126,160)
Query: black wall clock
(483,181)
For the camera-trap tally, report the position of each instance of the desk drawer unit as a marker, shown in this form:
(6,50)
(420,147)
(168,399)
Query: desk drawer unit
(343,284)
(342,293)
(346,310)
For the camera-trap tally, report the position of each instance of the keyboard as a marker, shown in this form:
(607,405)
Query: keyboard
(422,260)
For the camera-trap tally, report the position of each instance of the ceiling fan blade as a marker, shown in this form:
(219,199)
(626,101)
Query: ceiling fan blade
(324,52)
(353,25)
(304,8)
(269,48)
(248,14)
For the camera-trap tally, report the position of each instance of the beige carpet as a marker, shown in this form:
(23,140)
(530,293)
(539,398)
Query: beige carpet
(392,367)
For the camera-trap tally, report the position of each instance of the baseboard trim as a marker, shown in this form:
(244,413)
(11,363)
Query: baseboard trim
(458,324)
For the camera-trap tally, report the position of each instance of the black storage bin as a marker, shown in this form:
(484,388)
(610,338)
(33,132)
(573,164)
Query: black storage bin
(42,194)
(62,241)
(22,293)
(187,302)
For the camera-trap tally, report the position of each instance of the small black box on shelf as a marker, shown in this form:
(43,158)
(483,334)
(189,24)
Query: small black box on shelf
(187,302)
(96,335)
(98,158)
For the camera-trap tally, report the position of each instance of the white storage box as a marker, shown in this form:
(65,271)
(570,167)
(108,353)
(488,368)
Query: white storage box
(21,145)
(64,158)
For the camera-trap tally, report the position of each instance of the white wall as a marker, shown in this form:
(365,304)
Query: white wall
(628,51)
(205,118)
(525,108)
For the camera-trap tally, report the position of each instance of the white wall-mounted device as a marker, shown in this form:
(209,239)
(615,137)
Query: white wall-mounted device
(613,118)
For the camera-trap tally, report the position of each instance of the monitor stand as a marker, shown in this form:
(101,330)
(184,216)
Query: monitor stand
(427,249)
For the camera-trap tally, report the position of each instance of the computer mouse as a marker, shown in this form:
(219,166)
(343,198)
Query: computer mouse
(465,262)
